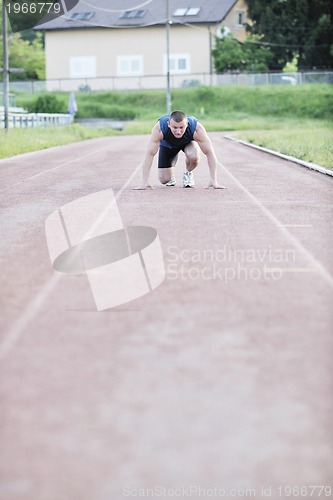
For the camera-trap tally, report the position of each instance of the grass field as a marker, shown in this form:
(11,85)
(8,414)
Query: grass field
(304,101)
(308,141)
(24,140)
(294,120)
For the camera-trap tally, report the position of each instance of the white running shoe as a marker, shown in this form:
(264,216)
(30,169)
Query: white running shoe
(188,179)
(172,181)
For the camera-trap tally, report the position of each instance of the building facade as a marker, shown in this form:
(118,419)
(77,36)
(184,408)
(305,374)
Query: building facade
(114,41)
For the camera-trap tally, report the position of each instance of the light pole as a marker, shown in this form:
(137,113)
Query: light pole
(5,71)
(168,91)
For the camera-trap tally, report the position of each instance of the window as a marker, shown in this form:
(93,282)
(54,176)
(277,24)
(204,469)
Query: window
(193,11)
(189,11)
(82,67)
(80,16)
(179,63)
(240,17)
(180,12)
(129,65)
(132,14)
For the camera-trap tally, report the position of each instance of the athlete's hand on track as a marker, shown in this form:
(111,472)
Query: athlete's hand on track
(215,185)
(143,187)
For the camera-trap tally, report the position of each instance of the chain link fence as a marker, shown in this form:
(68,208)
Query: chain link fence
(177,81)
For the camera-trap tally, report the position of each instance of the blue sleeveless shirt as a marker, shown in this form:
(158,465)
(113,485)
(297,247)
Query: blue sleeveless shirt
(169,140)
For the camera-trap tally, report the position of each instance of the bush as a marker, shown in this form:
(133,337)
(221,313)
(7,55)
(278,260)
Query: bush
(48,103)
(102,110)
(224,102)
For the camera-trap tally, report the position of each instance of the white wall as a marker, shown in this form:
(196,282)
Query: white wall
(97,50)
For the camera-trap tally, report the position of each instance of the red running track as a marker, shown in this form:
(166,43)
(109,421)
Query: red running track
(218,382)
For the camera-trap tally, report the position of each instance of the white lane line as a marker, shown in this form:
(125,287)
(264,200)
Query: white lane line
(296,225)
(307,164)
(314,263)
(75,160)
(33,308)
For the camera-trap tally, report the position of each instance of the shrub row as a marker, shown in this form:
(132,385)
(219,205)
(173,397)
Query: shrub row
(305,101)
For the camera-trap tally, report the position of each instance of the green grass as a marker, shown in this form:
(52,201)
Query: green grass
(293,120)
(236,121)
(24,140)
(304,101)
(309,141)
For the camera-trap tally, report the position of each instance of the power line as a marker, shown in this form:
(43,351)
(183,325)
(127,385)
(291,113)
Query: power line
(136,7)
(271,44)
(114,26)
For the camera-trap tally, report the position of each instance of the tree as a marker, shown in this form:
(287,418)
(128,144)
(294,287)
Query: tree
(294,28)
(231,55)
(28,56)
(24,54)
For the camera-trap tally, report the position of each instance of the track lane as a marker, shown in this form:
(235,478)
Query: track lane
(207,380)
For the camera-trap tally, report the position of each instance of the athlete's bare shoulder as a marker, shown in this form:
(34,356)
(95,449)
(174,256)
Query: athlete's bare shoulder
(156,133)
(200,133)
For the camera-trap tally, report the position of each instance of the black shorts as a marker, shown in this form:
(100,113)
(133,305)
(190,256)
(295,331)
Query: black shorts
(167,157)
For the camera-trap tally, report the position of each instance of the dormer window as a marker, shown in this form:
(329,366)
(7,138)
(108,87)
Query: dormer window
(188,11)
(133,14)
(193,11)
(80,16)
(180,12)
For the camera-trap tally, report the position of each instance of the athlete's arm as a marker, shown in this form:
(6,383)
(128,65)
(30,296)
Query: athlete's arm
(201,137)
(152,148)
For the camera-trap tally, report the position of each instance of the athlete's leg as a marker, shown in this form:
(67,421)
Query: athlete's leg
(167,159)
(192,159)
(165,174)
(192,154)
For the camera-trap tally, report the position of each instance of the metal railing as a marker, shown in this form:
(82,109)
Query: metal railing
(36,120)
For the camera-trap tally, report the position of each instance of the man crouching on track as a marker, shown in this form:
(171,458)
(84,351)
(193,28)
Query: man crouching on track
(170,135)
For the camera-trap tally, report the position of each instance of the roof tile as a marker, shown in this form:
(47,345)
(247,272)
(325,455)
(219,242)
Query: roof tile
(108,13)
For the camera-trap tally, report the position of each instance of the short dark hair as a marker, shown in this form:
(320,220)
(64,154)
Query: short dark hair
(178,116)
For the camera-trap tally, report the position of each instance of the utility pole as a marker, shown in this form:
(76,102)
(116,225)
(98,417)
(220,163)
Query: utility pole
(168,90)
(5,69)
(210,57)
